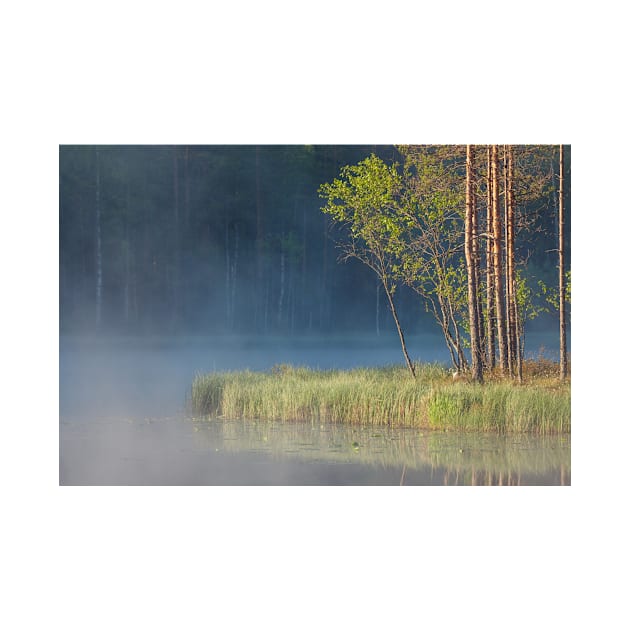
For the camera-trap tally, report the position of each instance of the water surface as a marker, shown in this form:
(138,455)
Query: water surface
(123,421)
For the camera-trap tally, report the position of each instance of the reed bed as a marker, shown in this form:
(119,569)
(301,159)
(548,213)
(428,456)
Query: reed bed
(385,396)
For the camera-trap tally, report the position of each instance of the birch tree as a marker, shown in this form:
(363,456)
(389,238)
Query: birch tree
(497,236)
(431,243)
(471,266)
(364,201)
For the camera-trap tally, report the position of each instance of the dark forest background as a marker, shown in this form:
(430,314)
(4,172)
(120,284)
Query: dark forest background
(226,239)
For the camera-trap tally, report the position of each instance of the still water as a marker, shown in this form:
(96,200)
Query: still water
(123,421)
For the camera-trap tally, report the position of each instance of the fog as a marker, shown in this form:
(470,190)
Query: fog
(101,377)
(123,414)
(178,260)
(225,240)
(124,417)
(137,377)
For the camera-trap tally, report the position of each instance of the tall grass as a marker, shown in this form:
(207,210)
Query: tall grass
(384,396)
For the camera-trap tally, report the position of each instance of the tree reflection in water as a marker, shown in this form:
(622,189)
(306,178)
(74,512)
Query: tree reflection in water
(458,459)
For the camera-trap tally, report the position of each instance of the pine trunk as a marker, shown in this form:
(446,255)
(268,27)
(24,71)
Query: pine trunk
(508,264)
(490,309)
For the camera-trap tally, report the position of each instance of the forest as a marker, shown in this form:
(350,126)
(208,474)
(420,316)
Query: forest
(250,239)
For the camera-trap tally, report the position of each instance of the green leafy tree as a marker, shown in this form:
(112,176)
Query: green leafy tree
(431,247)
(366,200)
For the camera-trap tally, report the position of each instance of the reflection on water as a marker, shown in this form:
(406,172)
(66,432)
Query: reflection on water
(121,407)
(179,451)
(449,458)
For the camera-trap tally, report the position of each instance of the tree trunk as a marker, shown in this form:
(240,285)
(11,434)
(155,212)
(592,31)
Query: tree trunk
(471,266)
(498,262)
(490,310)
(513,309)
(231,264)
(477,268)
(561,289)
(507,265)
(457,337)
(399,329)
(378,308)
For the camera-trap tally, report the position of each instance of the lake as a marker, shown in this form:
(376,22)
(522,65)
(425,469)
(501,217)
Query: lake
(123,421)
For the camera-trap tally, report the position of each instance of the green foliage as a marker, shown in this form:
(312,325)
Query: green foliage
(407,227)
(551,294)
(365,199)
(528,301)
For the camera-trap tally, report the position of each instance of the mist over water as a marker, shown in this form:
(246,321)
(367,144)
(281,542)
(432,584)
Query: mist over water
(103,377)
(219,257)
(123,416)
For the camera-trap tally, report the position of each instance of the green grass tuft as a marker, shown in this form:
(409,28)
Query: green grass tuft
(385,396)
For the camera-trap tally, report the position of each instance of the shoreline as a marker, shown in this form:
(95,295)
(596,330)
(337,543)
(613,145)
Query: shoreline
(389,396)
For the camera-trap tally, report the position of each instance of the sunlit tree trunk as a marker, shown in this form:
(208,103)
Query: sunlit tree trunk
(507,264)
(561,289)
(471,266)
(490,310)
(498,262)
(99,253)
